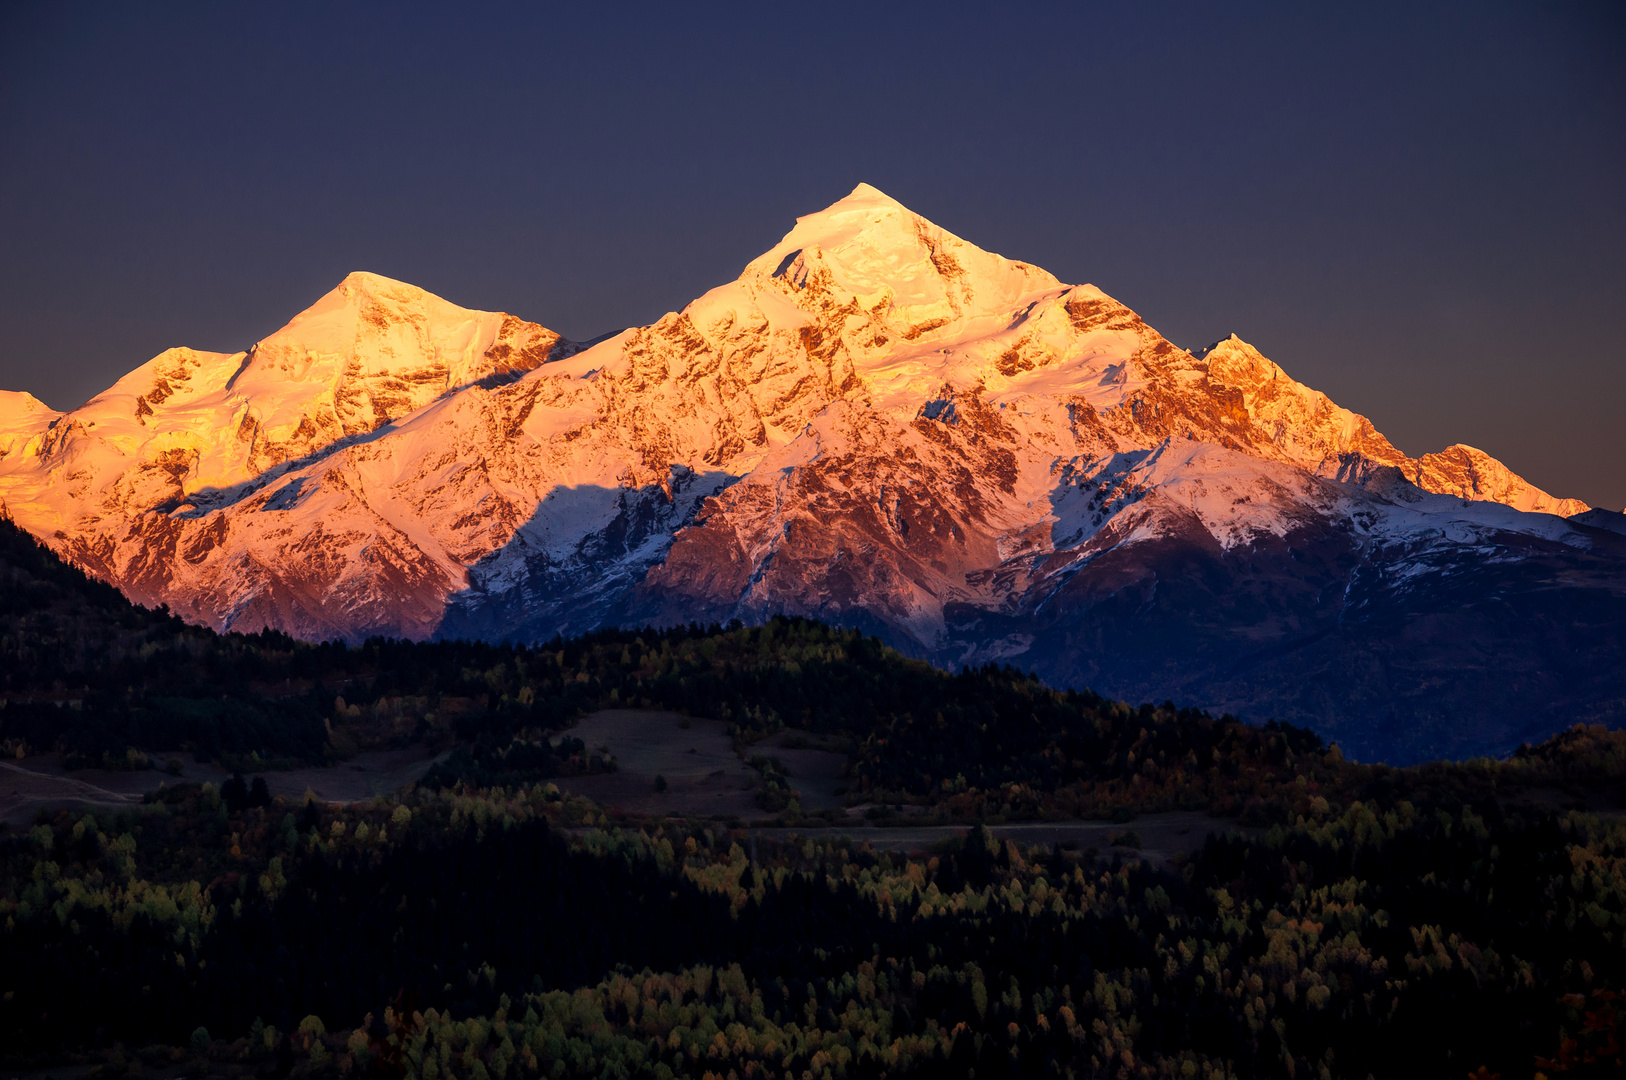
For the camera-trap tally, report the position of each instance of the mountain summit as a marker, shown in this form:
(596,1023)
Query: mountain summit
(879,424)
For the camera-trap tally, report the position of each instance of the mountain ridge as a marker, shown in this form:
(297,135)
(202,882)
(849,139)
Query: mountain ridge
(877,424)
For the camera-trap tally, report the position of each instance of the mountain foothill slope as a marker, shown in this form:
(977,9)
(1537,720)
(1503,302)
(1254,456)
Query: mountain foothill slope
(877,424)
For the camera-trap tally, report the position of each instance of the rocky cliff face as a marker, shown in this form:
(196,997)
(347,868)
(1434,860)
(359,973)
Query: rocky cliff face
(878,424)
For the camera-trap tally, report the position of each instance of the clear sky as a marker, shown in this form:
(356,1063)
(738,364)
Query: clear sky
(1417,208)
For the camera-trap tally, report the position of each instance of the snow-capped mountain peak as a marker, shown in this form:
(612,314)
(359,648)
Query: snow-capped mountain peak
(873,252)
(368,352)
(876,423)
(1470,473)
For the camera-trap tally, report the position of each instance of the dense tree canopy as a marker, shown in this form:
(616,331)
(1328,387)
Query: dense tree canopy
(1367,921)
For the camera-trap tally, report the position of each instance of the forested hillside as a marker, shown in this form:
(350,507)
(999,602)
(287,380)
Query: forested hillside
(112,684)
(1454,919)
(498,933)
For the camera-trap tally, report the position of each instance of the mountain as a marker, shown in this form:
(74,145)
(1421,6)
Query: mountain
(117,485)
(877,424)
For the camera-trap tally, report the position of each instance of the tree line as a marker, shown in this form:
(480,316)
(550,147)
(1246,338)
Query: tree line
(446,929)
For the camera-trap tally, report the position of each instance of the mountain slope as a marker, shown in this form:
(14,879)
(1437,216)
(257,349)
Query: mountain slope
(112,484)
(877,424)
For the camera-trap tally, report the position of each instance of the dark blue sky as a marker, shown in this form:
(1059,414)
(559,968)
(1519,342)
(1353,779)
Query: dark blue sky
(1420,209)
